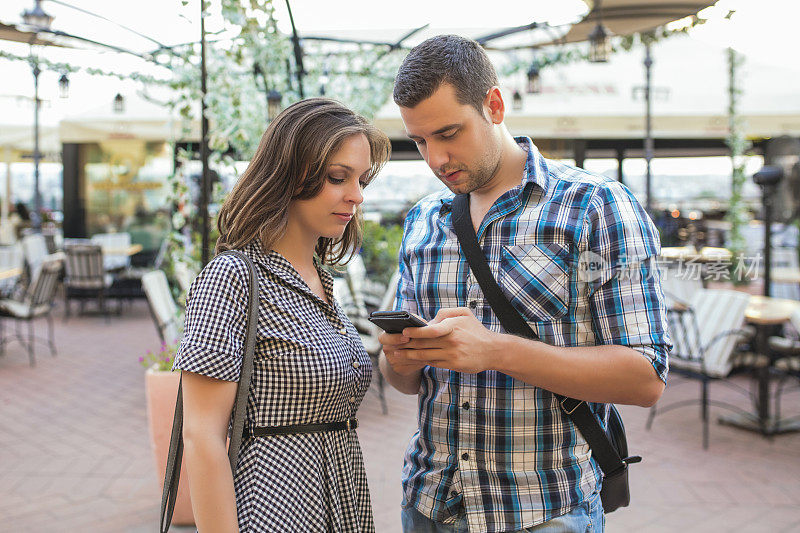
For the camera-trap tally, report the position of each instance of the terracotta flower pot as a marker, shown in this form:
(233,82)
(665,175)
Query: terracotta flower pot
(161,389)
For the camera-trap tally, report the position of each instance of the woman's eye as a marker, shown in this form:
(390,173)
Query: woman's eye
(335,180)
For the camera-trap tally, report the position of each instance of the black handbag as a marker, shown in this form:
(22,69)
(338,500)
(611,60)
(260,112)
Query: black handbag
(173,472)
(608,446)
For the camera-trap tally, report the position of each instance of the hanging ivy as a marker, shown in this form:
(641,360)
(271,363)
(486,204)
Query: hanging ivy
(737,213)
(361,77)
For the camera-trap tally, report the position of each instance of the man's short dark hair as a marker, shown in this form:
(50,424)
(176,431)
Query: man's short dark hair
(452,59)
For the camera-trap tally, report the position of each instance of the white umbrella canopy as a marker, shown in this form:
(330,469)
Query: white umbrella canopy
(140,119)
(18,138)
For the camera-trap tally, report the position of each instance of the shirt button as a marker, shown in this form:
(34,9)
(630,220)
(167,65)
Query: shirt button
(465,456)
(473,304)
(453,493)
(465,405)
(352,399)
(356,364)
(343,331)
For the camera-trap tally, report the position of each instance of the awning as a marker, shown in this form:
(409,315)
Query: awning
(624,17)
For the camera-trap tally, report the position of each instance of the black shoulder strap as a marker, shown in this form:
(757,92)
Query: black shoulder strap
(602,450)
(175,455)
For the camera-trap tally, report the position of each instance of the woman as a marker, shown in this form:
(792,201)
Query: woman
(294,209)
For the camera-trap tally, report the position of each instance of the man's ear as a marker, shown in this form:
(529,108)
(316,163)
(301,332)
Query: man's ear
(494,106)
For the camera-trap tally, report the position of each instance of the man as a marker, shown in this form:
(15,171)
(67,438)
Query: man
(494,452)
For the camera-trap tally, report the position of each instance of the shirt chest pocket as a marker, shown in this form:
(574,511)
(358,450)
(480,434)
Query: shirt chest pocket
(535,277)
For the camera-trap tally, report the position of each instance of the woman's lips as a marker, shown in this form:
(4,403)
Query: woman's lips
(344,217)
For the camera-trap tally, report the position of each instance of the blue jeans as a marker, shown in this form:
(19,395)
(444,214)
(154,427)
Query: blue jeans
(587,517)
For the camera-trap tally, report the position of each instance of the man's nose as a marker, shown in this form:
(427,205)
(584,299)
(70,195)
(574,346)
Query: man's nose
(437,156)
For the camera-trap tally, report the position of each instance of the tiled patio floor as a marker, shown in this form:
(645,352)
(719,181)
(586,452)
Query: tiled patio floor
(75,453)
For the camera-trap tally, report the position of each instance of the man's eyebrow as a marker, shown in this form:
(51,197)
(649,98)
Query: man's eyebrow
(437,132)
(445,128)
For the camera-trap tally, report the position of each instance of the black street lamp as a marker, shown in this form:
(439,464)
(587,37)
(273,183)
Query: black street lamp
(768,179)
(534,79)
(119,104)
(323,80)
(599,44)
(63,86)
(38,19)
(273,97)
(273,104)
(516,101)
(649,142)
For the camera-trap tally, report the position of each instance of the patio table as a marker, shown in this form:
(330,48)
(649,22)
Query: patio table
(115,257)
(765,314)
(133,249)
(6,273)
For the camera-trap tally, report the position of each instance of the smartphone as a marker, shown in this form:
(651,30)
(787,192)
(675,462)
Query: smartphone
(396,321)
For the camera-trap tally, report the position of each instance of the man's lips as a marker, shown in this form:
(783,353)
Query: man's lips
(452,176)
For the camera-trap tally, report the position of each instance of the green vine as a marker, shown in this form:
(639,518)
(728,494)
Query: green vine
(67,68)
(737,213)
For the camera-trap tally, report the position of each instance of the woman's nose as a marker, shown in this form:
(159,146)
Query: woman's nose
(355,194)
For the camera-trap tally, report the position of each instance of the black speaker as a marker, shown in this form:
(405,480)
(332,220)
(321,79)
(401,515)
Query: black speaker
(768,176)
(784,152)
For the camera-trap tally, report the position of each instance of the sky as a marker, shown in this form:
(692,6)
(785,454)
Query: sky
(764,30)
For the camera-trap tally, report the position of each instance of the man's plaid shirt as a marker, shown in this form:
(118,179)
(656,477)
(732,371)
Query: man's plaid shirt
(495,445)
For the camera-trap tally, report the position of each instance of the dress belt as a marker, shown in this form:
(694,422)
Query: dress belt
(266,431)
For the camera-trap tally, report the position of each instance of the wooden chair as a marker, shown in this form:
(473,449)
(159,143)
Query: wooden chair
(86,277)
(369,333)
(368,293)
(34,249)
(184,276)
(679,288)
(162,306)
(38,301)
(704,334)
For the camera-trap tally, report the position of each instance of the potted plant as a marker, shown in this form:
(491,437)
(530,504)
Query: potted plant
(161,390)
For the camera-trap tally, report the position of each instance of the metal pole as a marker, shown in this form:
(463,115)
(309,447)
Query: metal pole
(36,219)
(7,199)
(648,127)
(298,53)
(204,253)
(579,150)
(767,193)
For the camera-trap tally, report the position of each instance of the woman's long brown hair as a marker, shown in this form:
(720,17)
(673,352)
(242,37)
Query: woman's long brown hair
(291,164)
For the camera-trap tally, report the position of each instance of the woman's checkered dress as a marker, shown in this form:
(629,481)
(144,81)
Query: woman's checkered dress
(310,367)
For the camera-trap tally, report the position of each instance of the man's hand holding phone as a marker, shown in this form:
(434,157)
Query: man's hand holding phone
(393,323)
(455,340)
